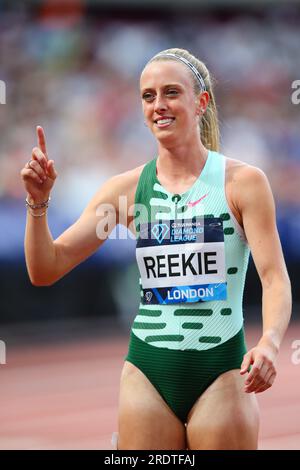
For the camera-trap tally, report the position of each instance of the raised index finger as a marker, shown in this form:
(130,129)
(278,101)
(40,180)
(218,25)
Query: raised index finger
(41,140)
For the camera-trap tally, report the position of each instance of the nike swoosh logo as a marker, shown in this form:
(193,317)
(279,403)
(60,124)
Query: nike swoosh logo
(192,204)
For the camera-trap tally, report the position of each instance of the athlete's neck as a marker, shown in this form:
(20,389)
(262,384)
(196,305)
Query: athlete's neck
(181,163)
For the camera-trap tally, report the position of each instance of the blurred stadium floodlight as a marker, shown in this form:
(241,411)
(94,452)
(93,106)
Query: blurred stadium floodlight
(2,352)
(2,92)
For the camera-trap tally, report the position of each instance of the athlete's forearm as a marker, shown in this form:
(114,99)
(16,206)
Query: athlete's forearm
(276,310)
(40,252)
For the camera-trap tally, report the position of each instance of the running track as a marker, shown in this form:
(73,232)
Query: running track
(64,395)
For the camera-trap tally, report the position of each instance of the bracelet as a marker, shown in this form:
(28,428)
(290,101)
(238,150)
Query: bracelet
(36,215)
(38,206)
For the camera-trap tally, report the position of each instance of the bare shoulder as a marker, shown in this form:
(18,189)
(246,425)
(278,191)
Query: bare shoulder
(126,181)
(241,176)
(122,184)
(241,172)
(245,184)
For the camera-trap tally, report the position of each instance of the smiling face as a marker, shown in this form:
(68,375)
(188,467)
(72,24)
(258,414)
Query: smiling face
(170,106)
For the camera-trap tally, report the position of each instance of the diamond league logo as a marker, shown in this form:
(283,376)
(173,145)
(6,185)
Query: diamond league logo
(148,296)
(160,232)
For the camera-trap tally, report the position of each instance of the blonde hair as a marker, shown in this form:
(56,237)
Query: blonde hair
(208,123)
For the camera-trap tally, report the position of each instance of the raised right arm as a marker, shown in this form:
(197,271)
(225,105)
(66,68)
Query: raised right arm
(48,260)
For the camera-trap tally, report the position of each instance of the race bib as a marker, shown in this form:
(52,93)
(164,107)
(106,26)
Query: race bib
(182,261)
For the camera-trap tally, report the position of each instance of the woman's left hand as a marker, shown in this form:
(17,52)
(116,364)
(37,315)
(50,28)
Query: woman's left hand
(262,359)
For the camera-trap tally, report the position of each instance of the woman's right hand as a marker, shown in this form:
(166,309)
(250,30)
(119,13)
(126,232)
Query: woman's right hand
(39,178)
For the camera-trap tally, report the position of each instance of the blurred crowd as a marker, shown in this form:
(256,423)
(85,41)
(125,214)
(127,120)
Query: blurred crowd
(79,78)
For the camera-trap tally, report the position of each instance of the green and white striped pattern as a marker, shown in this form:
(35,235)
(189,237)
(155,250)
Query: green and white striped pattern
(202,325)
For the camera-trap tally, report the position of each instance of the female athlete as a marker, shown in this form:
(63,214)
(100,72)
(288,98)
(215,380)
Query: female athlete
(188,380)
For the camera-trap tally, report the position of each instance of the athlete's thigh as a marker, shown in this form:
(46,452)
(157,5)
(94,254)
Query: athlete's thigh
(224,417)
(145,420)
